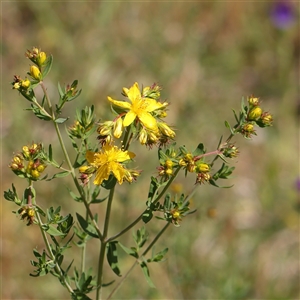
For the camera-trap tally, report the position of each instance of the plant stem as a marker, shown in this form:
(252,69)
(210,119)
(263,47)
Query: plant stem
(141,215)
(103,244)
(57,267)
(79,188)
(136,262)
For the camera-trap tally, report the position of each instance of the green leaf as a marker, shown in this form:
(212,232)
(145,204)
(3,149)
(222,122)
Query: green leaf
(147,274)
(229,127)
(50,229)
(154,185)
(59,175)
(130,251)
(50,154)
(88,228)
(60,91)
(141,237)
(61,120)
(109,183)
(159,256)
(199,150)
(47,66)
(112,257)
(147,215)
(76,198)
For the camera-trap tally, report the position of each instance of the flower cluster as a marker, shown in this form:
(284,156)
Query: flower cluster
(255,116)
(36,71)
(28,163)
(143,113)
(141,116)
(27,212)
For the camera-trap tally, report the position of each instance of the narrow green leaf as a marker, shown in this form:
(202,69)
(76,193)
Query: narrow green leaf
(50,154)
(50,229)
(112,257)
(88,228)
(60,91)
(47,66)
(131,251)
(159,256)
(147,274)
(61,120)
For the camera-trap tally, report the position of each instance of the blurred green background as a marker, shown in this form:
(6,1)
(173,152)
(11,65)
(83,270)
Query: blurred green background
(243,242)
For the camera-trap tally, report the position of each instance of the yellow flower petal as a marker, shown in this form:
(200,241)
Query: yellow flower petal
(148,121)
(129,118)
(102,174)
(122,104)
(118,171)
(153,105)
(134,92)
(90,156)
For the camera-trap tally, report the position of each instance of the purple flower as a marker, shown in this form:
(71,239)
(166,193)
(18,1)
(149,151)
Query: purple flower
(282,14)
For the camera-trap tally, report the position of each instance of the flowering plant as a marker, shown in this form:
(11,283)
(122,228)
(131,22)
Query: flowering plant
(105,163)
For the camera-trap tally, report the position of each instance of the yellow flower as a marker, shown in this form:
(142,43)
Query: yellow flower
(108,161)
(139,107)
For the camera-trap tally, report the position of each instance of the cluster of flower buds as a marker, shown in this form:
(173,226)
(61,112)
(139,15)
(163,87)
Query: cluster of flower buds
(175,208)
(27,212)
(255,116)
(39,58)
(144,112)
(28,163)
(229,150)
(190,162)
(20,83)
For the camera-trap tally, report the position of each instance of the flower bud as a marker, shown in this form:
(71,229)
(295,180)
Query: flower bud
(254,113)
(105,128)
(203,168)
(254,101)
(118,128)
(25,83)
(143,136)
(169,171)
(248,127)
(35,73)
(30,212)
(267,119)
(168,163)
(152,137)
(41,168)
(35,174)
(166,130)
(41,58)
(248,130)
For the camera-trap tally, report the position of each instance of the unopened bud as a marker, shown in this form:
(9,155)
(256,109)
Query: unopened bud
(41,58)
(118,128)
(254,101)
(25,84)
(35,72)
(166,130)
(254,113)
(203,168)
